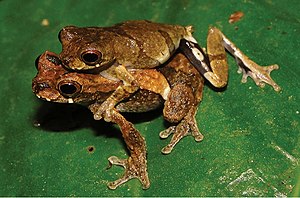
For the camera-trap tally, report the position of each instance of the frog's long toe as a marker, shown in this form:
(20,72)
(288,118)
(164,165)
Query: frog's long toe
(178,134)
(187,126)
(133,169)
(260,74)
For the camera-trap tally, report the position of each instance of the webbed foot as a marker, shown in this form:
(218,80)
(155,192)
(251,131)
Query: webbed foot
(261,75)
(134,168)
(187,126)
(104,110)
(136,165)
(216,40)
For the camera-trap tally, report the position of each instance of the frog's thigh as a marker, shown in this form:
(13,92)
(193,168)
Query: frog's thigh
(179,102)
(217,57)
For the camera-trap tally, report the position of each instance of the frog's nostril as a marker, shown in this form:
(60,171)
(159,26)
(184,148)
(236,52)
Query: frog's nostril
(54,59)
(40,87)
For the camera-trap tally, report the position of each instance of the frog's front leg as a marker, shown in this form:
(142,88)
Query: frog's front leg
(129,86)
(136,165)
(213,66)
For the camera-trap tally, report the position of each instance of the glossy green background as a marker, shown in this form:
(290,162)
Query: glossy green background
(252,140)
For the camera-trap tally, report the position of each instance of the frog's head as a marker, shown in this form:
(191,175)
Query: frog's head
(86,48)
(56,84)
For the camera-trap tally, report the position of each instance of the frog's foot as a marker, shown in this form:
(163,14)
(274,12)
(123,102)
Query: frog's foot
(187,126)
(260,74)
(133,169)
(105,111)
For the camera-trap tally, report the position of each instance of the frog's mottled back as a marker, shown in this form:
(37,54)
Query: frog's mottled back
(135,44)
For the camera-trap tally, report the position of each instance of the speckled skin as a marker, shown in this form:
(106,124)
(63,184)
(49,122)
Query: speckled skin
(131,68)
(178,82)
(113,51)
(134,44)
(145,44)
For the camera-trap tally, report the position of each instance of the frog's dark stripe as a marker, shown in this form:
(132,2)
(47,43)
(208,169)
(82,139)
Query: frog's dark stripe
(200,61)
(160,28)
(217,57)
(168,40)
(118,30)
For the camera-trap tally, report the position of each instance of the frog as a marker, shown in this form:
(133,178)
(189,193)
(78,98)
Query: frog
(141,44)
(177,86)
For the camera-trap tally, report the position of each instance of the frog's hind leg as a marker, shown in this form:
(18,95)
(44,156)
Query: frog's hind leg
(183,115)
(260,74)
(213,66)
(136,165)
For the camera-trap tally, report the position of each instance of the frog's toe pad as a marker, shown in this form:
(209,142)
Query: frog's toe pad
(166,133)
(199,137)
(183,129)
(113,160)
(167,149)
(260,75)
(132,170)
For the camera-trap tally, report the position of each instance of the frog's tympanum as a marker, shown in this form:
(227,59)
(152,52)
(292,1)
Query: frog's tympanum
(178,83)
(111,51)
(137,66)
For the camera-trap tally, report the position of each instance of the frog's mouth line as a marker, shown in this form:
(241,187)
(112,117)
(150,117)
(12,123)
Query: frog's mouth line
(41,97)
(66,100)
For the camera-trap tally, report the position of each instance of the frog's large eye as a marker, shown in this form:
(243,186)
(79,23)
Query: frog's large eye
(69,89)
(91,57)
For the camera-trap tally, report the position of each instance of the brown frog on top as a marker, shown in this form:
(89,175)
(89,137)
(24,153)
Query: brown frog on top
(178,83)
(112,51)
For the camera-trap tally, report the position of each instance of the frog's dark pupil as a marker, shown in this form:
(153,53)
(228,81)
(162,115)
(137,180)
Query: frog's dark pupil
(68,89)
(90,57)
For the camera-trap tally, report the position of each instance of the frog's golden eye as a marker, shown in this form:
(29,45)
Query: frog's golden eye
(91,57)
(69,89)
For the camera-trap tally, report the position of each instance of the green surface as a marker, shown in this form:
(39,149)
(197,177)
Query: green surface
(252,140)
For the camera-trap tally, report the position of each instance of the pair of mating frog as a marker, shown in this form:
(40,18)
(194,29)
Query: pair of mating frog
(137,66)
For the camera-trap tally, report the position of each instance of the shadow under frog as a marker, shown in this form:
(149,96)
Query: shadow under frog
(177,86)
(62,117)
